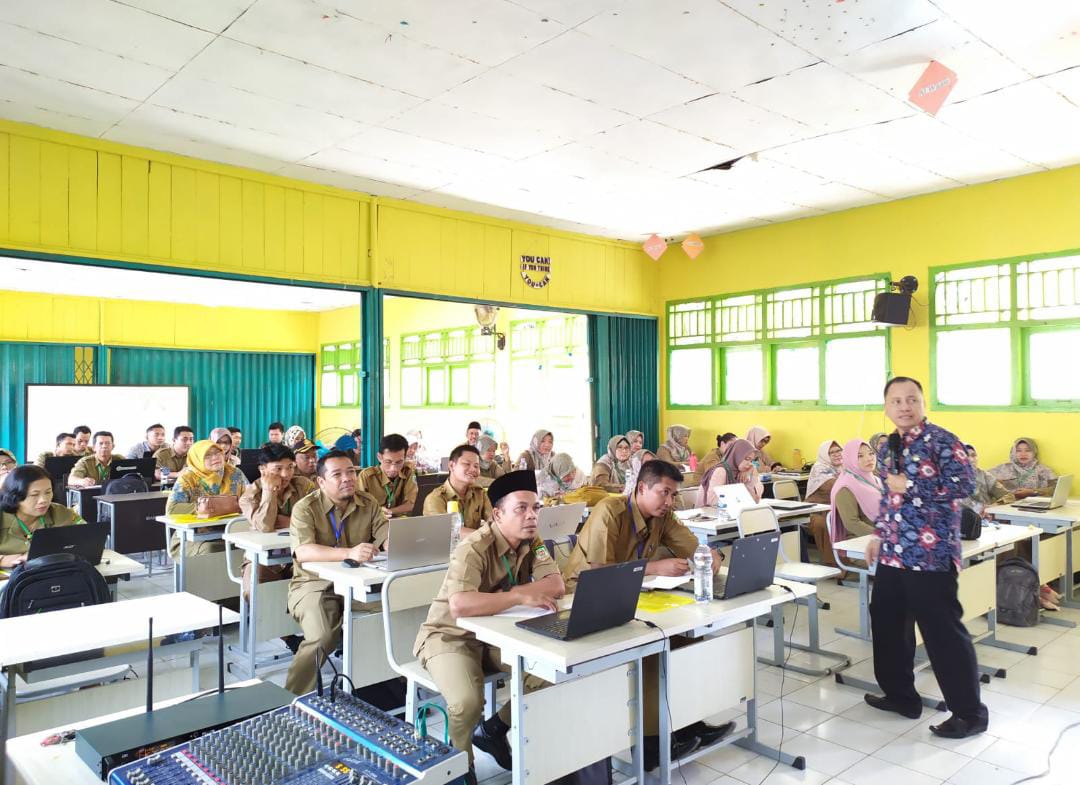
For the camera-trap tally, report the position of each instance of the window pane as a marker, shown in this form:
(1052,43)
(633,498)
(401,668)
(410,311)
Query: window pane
(797,374)
(331,389)
(1054,376)
(412,386)
(350,386)
(974,367)
(527,384)
(690,377)
(459,384)
(854,370)
(482,384)
(436,386)
(743,375)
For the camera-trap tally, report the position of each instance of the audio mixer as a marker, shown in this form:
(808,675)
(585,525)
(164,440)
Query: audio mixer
(316,740)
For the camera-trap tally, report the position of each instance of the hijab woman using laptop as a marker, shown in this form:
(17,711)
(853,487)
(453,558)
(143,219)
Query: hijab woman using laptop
(1023,474)
(560,477)
(675,449)
(737,466)
(27,505)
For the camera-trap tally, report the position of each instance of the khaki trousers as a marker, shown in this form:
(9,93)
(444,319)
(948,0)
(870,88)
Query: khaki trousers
(318,611)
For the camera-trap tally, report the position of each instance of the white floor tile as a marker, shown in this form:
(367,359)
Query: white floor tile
(794,715)
(969,747)
(823,756)
(857,736)
(826,695)
(922,757)
(763,771)
(694,773)
(875,771)
(726,759)
(1016,756)
(1034,671)
(885,720)
(980,772)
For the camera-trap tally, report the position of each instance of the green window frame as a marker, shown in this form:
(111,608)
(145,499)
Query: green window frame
(755,330)
(1033,299)
(339,383)
(437,368)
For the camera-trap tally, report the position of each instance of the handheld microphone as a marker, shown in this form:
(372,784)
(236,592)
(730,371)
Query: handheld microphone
(896,449)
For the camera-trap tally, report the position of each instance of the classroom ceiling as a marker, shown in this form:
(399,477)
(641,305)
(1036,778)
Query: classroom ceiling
(603,116)
(110,283)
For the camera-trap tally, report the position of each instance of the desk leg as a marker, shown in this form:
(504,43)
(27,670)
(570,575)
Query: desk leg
(243,617)
(1068,585)
(638,753)
(7,724)
(196,677)
(517,720)
(347,632)
(750,741)
(182,560)
(1045,617)
(864,610)
(251,610)
(664,729)
(991,638)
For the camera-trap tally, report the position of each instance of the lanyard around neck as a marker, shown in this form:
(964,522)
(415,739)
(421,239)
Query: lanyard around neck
(509,572)
(641,540)
(29,534)
(334,525)
(391,491)
(862,479)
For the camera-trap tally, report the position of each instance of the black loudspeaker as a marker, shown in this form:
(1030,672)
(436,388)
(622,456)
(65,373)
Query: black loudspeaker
(891,308)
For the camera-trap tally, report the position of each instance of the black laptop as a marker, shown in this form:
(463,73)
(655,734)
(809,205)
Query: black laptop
(606,597)
(751,567)
(60,467)
(85,540)
(141,466)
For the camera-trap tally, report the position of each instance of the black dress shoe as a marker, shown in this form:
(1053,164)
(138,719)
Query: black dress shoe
(292,642)
(710,734)
(681,746)
(960,728)
(883,703)
(494,744)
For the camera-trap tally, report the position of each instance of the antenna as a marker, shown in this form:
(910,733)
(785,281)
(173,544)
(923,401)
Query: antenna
(220,653)
(150,667)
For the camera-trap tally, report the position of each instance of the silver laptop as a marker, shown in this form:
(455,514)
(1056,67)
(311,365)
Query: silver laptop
(560,521)
(415,542)
(1060,497)
(737,497)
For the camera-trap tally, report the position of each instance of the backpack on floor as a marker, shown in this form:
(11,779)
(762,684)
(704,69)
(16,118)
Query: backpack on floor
(129,483)
(1017,593)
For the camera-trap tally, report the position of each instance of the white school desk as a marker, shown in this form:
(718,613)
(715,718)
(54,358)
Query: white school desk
(113,567)
(711,529)
(976,590)
(211,580)
(267,599)
(37,765)
(599,676)
(76,630)
(363,649)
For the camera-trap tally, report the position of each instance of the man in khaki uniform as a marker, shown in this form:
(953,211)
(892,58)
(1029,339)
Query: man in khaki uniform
(174,456)
(391,482)
(82,440)
(338,522)
(474,503)
(625,528)
(94,468)
(306,458)
(65,447)
(502,565)
(269,501)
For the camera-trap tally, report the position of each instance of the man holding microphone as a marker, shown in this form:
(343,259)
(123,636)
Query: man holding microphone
(926,473)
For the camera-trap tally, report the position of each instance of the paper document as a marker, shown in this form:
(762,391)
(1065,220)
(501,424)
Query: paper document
(523,612)
(665,581)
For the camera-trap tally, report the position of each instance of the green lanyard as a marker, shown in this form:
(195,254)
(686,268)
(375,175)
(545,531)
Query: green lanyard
(102,472)
(509,572)
(391,491)
(30,534)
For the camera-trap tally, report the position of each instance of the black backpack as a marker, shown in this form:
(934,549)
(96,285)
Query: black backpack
(1017,593)
(52,583)
(129,483)
(970,524)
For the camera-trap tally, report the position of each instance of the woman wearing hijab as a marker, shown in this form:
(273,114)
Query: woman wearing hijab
(715,455)
(492,466)
(988,489)
(819,487)
(759,437)
(636,462)
(1023,474)
(737,466)
(294,437)
(538,456)
(637,441)
(675,449)
(206,474)
(856,496)
(560,477)
(223,439)
(610,471)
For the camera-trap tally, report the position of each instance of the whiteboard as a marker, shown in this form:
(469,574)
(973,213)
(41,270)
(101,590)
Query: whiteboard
(124,410)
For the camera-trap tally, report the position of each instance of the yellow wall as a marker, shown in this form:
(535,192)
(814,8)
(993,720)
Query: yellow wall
(1024,215)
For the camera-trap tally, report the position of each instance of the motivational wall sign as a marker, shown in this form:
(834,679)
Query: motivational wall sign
(536,270)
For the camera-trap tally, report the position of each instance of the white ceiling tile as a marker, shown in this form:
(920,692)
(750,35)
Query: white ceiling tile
(831,29)
(837,158)
(736,124)
(212,15)
(418,178)
(896,64)
(318,34)
(494,191)
(595,167)
(38,99)
(486,31)
(1029,120)
(660,147)
(80,65)
(419,151)
(824,98)
(1066,83)
(922,141)
(833,196)
(762,176)
(293,81)
(702,39)
(584,66)
(348,182)
(473,131)
(1039,35)
(110,27)
(246,110)
(570,12)
(507,97)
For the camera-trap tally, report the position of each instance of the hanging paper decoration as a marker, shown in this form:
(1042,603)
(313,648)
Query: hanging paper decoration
(655,247)
(693,245)
(933,87)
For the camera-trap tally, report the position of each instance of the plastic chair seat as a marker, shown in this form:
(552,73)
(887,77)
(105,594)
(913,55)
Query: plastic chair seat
(804,572)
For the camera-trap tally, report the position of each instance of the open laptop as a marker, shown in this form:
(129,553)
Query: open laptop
(415,542)
(750,567)
(85,540)
(606,597)
(560,521)
(787,504)
(141,466)
(60,467)
(1043,503)
(737,497)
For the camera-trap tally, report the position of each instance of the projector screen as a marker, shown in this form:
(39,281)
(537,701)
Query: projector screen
(124,410)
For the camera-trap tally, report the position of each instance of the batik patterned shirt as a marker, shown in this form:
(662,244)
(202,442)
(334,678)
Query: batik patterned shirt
(920,529)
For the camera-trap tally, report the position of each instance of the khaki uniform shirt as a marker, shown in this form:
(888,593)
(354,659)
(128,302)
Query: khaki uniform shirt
(363,521)
(484,562)
(475,507)
(390,493)
(14,540)
(166,458)
(495,469)
(89,467)
(616,532)
(43,456)
(712,457)
(263,509)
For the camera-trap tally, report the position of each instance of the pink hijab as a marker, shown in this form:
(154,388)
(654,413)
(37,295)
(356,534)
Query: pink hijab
(865,485)
(727,472)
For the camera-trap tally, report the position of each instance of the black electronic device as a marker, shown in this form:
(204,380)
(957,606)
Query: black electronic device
(605,597)
(144,467)
(892,308)
(60,467)
(87,541)
(751,568)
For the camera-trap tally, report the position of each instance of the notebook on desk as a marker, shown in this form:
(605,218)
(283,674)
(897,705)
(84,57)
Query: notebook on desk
(1044,503)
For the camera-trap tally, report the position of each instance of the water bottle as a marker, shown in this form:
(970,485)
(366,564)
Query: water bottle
(164,476)
(721,508)
(703,574)
(455,524)
(522,465)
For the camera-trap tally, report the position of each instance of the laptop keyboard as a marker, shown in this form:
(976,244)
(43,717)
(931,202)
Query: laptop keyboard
(555,624)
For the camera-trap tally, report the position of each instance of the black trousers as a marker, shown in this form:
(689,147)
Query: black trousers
(903,598)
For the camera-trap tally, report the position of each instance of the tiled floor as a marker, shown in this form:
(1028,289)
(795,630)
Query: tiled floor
(845,742)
